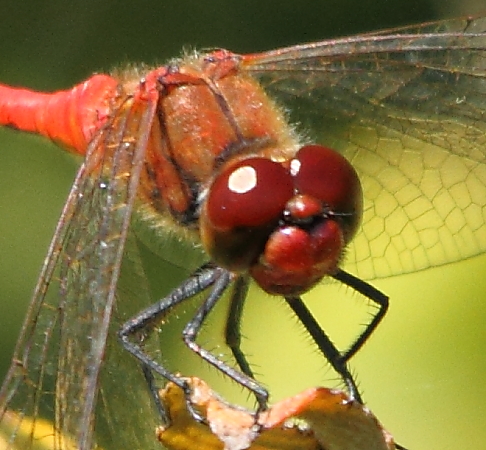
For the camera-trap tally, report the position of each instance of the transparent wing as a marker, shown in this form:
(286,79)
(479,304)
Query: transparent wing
(407,107)
(62,355)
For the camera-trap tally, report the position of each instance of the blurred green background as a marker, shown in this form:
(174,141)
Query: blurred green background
(422,373)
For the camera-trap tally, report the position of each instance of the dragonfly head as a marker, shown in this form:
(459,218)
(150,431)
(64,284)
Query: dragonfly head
(286,223)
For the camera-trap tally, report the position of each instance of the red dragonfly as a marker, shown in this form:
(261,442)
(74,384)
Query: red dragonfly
(203,147)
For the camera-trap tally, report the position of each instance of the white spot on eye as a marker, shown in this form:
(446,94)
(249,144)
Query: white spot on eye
(294,167)
(242,180)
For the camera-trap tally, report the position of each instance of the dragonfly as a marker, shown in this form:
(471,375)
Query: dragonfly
(229,151)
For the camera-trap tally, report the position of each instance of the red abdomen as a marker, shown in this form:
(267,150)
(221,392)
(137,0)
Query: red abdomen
(68,117)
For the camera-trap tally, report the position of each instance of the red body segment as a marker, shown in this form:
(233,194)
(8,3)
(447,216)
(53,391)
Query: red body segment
(69,117)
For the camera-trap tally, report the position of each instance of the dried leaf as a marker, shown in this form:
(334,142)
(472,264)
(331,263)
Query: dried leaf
(318,418)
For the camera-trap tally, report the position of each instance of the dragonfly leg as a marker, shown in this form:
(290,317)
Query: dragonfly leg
(327,348)
(374,295)
(233,325)
(336,358)
(154,391)
(192,329)
(141,325)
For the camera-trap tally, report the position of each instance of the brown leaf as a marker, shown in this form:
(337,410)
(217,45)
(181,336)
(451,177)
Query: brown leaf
(316,419)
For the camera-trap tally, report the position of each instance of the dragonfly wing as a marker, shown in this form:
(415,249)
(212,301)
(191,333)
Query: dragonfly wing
(59,356)
(125,413)
(407,108)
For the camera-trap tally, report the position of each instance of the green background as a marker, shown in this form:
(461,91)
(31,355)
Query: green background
(422,373)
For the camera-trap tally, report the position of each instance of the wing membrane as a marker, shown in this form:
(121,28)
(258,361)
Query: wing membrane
(407,107)
(62,347)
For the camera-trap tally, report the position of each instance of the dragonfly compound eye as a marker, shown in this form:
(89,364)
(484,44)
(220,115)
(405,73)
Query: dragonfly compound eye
(244,204)
(326,175)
